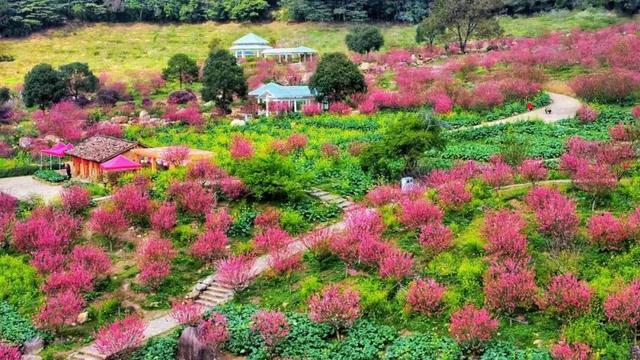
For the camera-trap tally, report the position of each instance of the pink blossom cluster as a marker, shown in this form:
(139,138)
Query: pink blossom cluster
(154,260)
(555,215)
(425,296)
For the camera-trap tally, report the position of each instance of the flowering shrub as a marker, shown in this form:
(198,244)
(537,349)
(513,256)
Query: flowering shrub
(75,199)
(635,112)
(624,306)
(210,245)
(383,194)
(471,326)
(105,128)
(133,201)
(91,259)
(241,148)
(175,155)
(205,170)
(47,228)
(312,109)
(282,262)
(453,194)
(619,132)
(9,352)
(595,178)
(219,220)
(335,307)
(8,203)
(339,108)
(119,336)
(234,272)
(396,265)
(187,312)
(271,239)
(108,223)
(567,296)
(497,174)
(213,332)
(608,86)
(417,213)
(330,150)
(509,288)
(164,218)
(65,120)
(232,187)
(60,309)
(555,215)
(532,170)
(77,280)
(361,222)
(297,141)
(435,238)
(425,296)
(191,197)
(272,326)
(587,114)
(565,351)
(504,231)
(154,260)
(267,219)
(608,232)
(47,261)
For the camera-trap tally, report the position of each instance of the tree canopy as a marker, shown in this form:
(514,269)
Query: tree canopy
(43,86)
(182,68)
(78,79)
(364,39)
(222,79)
(336,78)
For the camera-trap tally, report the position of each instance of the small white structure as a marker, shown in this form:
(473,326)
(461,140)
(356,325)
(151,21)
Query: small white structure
(250,45)
(302,53)
(407,184)
(295,96)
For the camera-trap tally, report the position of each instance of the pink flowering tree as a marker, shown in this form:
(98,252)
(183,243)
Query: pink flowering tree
(504,231)
(77,280)
(607,231)
(164,219)
(192,197)
(435,238)
(210,246)
(272,326)
(10,352)
(92,259)
(597,179)
(65,120)
(497,174)
(187,313)
(241,148)
(60,309)
(269,218)
(176,155)
(282,262)
(108,223)
(235,272)
(425,296)
(509,288)
(396,265)
(533,170)
(624,307)
(555,215)
(586,114)
(417,213)
(75,199)
(453,194)
(121,336)
(219,220)
(471,327)
(383,195)
(213,332)
(339,308)
(297,141)
(271,239)
(570,351)
(567,296)
(133,201)
(154,261)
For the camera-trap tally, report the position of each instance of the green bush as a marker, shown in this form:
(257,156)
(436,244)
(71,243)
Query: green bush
(19,285)
(423,346)
(504,350)
(14,328)
(242,226)
(158,348)
(50,176)
(105,312)
(293,222)
(272,177)
(364,341)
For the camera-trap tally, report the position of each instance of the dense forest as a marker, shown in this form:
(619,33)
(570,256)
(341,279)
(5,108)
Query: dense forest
(22,17)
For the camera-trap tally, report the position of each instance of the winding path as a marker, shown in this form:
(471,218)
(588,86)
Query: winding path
(562,107)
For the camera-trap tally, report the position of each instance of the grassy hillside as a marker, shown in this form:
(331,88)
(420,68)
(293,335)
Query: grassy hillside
(123,49)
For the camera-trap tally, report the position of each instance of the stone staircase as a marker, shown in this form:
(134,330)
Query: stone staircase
(342,203)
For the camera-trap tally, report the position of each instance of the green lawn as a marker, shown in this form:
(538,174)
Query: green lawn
(126,49)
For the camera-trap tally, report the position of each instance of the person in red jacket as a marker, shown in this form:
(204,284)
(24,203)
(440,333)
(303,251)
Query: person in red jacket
(529,106)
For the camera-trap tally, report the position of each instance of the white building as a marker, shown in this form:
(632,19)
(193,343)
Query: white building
(250,45)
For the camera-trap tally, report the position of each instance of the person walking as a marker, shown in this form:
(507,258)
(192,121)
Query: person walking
(529,106)
(67,167)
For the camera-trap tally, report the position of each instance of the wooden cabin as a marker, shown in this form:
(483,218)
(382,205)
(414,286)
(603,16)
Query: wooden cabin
(87,156)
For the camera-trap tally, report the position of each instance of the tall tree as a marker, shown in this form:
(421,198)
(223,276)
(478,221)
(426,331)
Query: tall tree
(429,30)
(182,68)
(464,18)
(43,86)
(222,79)
(78,78)
(364,39)
(336,78)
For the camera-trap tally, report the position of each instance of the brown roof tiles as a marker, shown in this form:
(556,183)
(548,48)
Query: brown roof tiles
(101,148)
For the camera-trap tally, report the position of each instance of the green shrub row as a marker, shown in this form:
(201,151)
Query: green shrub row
(50,176)
(14,328)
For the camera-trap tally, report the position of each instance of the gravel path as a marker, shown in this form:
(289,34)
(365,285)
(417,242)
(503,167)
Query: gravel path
(23,187)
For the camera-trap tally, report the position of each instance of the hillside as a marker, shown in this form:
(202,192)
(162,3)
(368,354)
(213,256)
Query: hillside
(124,49)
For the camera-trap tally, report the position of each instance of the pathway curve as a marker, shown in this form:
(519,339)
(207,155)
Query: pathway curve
(562,107)
(210,293)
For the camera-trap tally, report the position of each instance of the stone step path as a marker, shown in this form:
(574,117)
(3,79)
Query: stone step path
(210,293)
(342,203)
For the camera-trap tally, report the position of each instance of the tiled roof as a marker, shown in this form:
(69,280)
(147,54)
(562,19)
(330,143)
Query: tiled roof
(101,148)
